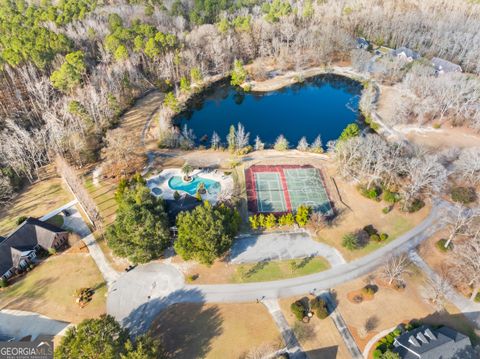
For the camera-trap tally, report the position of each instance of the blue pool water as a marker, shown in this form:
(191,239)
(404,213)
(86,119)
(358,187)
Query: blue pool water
(177,183)
(323,105)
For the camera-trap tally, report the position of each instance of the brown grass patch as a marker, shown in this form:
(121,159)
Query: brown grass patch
(192,330)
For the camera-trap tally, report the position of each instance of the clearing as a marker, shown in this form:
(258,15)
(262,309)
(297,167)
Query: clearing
(34,200)
(215,330)
(49,289)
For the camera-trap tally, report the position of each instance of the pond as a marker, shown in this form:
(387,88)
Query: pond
(322,105)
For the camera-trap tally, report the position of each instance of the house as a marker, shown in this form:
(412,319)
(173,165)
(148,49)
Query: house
(361,43)
(406,54)
(20,247)
(428,343)
(443,66)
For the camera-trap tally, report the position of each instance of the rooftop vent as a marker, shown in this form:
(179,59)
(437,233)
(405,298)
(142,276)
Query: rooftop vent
(430,334)
(422,338)
(413,341)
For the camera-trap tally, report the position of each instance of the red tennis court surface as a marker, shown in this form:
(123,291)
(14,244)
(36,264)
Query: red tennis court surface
(282,188)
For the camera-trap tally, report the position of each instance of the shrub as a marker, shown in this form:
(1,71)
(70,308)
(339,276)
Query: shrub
(437,125)
(350,241)
(375,237)
(303,214)
(386,210)
(463,195)
(21,219)
(377,354)
(319,306)
(270,221)
(3,283)
(370,230)
(440,244)
(477,298)
(415,206)
(298,310)
(383,237)
(390,197)
(254,221)
(192,277)
(52,251)
(286,220)
(371,193)
(368,290)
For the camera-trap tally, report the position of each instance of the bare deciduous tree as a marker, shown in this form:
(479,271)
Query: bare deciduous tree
(395,268)
(465,260)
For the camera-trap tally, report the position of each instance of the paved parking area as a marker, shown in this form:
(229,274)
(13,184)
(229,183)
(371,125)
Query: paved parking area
(278,246)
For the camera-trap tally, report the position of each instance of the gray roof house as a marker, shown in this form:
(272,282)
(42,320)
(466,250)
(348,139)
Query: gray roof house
(443,66)
(405,53)
(20,247)
(428,343)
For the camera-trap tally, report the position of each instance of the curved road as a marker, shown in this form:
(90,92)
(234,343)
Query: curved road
(135,299)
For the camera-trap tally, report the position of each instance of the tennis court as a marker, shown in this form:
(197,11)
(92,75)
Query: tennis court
(305,186)
(283,188)
(270,197)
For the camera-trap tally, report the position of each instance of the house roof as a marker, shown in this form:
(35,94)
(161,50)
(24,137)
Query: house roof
(428,343)
(445,66)
(185,203)
(26,237)
(408,52)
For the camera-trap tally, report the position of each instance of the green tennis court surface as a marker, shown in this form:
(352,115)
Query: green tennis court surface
(305,186)
(270,197)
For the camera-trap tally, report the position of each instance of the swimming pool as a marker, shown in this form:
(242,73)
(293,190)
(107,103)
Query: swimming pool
(177,183)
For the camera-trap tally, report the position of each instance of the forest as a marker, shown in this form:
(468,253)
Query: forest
(70,68)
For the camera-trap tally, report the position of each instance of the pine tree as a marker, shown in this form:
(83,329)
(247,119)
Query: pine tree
(231,139)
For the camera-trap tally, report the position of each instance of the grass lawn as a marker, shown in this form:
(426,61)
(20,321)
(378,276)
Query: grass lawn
(274,270)
(214,330)
(222,272)
(50,287)
(35,200)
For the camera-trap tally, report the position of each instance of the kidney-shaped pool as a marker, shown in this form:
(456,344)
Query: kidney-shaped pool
(322,105)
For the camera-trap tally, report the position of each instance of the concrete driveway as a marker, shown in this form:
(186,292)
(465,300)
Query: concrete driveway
(18,324)
(278,246)
(134,298)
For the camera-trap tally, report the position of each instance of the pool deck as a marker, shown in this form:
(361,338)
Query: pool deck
(161,181)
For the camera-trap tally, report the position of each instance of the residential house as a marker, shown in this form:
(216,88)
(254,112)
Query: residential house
(406,54)
(20,247)
(442,66)
(428,343)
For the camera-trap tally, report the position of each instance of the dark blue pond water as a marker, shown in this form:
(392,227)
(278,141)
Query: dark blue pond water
(323,105)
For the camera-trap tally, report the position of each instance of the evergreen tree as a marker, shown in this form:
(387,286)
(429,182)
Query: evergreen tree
(206,233)
(352,130)
(140,231)
(231,139)
(239,74)
(281,144)
(70,72)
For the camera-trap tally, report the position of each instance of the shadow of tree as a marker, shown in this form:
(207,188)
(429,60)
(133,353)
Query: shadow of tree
(181,320)
(256,268)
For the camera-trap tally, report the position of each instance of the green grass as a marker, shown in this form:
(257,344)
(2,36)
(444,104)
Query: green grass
(275,270)
(56,220)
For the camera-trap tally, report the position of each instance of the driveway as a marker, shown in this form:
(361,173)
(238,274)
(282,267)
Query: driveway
(18,324)
(75,223)
(278,246)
